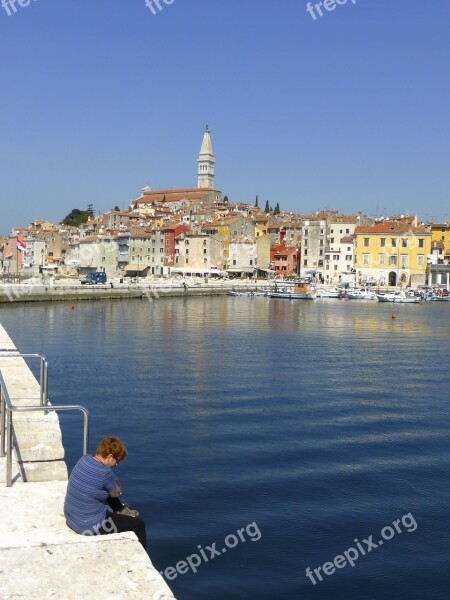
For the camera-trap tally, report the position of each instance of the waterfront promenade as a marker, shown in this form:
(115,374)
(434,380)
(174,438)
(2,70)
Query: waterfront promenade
(41,556)
(72,290)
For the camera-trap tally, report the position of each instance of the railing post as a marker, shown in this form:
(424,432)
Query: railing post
(86,432)
(41,380)
(2,423)
(9,451)
(45,386)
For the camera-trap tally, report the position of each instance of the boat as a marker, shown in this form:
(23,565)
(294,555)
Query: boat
(246,293)
(437,295)
(296,290)
(400,297)
(361,294)
(328,293)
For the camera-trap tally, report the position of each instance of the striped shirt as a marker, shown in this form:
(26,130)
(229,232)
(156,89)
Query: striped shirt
(86,503)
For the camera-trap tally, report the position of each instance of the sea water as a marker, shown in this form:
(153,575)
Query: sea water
(267,437)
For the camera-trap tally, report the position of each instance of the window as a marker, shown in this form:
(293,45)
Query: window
(382,242)
(332,240)
(305,263)
(204,250)
(234,262)
(167,242)
(187,251)
(347,231)
(381,259)
(365,259)
(161,250)
(404,260)
(321,252)
(421,240)
(420,260)
(335,256)
(404,242)
(348,257)
(305,243)
(335,267)
(394,242)
(392,259)
(306,232)
(251,262)
(167,250)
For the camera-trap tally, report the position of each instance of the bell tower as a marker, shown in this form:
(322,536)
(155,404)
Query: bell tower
(206,162)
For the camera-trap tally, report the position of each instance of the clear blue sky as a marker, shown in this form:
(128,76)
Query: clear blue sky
(349,111)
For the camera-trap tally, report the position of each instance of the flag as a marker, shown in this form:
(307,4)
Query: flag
(21,246)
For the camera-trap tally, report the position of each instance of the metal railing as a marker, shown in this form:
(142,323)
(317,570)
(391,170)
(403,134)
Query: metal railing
(6,424)
(43,378)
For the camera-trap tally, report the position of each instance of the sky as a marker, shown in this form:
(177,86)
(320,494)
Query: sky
(347,111)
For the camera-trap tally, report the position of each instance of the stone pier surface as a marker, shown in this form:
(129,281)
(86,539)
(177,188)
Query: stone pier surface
(40,556)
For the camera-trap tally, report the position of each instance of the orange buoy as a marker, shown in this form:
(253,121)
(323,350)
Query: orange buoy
(393,316)
(73,306)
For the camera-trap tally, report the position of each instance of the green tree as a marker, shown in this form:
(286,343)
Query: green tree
(267,209)
(277,209)
(225,199)
(256,203)
(76,217)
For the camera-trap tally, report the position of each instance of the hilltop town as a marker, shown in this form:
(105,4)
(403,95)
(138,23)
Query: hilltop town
(198,232)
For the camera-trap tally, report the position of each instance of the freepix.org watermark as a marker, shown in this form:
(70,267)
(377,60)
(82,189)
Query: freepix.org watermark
(11,6)
(316,9)
(156,6)
(351,555)
(204,555)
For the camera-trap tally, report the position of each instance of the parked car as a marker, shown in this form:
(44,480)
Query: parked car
(93,278)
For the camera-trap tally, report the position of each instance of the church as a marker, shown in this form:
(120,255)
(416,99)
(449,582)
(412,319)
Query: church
(205,191)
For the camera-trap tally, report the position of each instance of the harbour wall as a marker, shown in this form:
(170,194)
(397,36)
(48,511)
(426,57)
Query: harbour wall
(60,292)
(41,556)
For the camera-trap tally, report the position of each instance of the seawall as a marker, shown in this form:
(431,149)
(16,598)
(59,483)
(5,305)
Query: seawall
(60,291)
(41,556)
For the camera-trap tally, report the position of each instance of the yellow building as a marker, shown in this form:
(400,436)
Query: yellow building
(440,241)
(392,253)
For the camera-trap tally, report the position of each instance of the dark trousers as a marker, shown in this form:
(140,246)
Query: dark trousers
(115,523)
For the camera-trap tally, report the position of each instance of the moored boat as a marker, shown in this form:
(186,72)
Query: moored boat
(328,293)
(297,290)
(361,294)
(437,295)
(400,297)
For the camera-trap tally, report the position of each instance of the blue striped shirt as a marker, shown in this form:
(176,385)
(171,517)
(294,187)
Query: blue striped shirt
(86,503)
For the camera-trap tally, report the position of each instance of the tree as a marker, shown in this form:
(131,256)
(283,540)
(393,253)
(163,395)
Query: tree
(277,209)
(267,209)
(256,203)
(116,208)
(76,217)
(225,199)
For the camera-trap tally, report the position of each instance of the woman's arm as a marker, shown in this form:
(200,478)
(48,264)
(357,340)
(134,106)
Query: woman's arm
(117,492)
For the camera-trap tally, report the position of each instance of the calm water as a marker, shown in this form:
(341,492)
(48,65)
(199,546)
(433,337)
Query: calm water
(320,421)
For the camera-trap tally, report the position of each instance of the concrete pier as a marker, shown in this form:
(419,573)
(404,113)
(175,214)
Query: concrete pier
(145,289)
(41,557)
